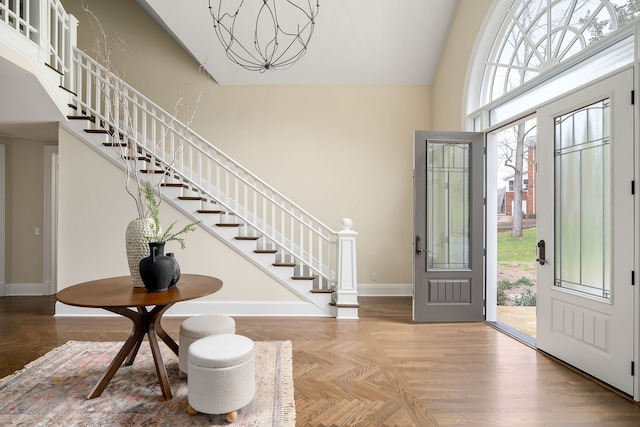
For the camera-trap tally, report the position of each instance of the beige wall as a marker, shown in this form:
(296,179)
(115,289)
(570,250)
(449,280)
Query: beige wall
(93,216)
(24,198)
(449,84)
(338,151)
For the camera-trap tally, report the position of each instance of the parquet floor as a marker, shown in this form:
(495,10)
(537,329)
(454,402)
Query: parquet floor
(381,370)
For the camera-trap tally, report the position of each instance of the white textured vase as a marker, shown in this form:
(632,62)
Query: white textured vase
(137,246)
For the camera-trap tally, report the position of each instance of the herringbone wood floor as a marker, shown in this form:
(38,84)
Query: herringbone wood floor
(381,370)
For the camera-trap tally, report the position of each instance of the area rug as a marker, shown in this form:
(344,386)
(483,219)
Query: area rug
(52,390)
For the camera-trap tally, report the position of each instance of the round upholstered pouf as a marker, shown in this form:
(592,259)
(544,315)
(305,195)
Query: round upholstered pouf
(196,327)
(222,375)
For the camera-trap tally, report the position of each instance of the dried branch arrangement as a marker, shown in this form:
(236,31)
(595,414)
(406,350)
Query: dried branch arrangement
(137,141)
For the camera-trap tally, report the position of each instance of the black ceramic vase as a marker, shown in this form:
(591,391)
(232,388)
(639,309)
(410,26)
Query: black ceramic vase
(176,272)
(157,270)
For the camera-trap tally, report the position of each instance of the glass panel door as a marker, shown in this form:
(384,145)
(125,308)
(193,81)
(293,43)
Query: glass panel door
(586,228)
(449,227)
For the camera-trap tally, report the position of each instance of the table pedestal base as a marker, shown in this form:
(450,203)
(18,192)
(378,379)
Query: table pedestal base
(144,322)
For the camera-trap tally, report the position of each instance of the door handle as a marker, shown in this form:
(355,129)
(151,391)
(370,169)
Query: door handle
(541,253)
(418,249)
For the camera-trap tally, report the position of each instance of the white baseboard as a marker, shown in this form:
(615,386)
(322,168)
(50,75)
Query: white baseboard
(25,289)
(194,308)
(246,308)
(385,290)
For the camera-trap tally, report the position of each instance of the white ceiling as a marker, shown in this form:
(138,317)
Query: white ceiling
(354,42)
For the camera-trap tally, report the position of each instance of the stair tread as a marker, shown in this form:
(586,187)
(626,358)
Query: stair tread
(321,291)
(265,251)
(247,237)
(82,117)
(303,277)
(172,184)
(53,68)
(189,197)
(209,211)
(284,264)
(345,305)
(96,131)
(68,90)
(227,224)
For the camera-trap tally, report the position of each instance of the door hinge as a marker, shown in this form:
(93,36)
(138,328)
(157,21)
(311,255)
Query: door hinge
(633,368)
(633,187)
(633,278)
(633,92)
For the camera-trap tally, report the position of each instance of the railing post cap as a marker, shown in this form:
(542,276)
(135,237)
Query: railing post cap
(346,224)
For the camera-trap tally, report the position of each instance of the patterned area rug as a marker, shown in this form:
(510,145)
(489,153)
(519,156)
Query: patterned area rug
(52,390)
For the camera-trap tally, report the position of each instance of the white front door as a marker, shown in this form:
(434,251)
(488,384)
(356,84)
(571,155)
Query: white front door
(586,230)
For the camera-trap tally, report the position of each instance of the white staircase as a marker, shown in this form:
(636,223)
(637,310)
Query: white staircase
(199,205)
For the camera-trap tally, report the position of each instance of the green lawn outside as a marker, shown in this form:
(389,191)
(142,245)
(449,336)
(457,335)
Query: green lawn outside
(516,249)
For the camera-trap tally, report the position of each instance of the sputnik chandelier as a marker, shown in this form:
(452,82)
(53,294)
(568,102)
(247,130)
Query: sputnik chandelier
(262,35)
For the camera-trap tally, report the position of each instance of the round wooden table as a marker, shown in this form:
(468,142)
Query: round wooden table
(118,295)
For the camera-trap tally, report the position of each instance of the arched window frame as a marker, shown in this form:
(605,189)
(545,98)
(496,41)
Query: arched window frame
(478,110)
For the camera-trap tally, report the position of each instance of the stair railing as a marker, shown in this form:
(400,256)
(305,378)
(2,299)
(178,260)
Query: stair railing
(61,37)
(17,15)
(207,170)
(218,178)
(49,27)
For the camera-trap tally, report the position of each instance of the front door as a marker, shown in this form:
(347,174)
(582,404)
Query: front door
(448,283)
(586,229)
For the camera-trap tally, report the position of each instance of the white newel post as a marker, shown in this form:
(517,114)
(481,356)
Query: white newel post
(71,44)
(345,295)
(40,17)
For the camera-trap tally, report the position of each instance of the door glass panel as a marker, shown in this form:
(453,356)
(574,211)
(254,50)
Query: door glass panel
(448,205)
(583,200)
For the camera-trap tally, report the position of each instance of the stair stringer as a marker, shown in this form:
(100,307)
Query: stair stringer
(320,302)
(28,56)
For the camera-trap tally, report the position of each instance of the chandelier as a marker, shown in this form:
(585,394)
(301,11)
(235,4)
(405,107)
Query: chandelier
(262,35)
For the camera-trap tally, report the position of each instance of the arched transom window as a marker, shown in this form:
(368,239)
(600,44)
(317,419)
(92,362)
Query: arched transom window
(537,34)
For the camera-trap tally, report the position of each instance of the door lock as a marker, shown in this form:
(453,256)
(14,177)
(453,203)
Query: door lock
(418,249)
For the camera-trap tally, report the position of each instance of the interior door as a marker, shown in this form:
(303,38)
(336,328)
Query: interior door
(586,230)
(448,282)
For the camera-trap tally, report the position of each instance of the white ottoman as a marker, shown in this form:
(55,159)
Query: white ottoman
(222,375)
(196,327)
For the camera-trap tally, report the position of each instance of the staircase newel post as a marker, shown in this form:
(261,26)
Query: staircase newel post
(42,15)
(345,294)
(71,43)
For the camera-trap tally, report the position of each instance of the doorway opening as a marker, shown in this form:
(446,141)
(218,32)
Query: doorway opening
(516,229)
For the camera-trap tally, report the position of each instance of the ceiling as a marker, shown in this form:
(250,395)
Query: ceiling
(354,42)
